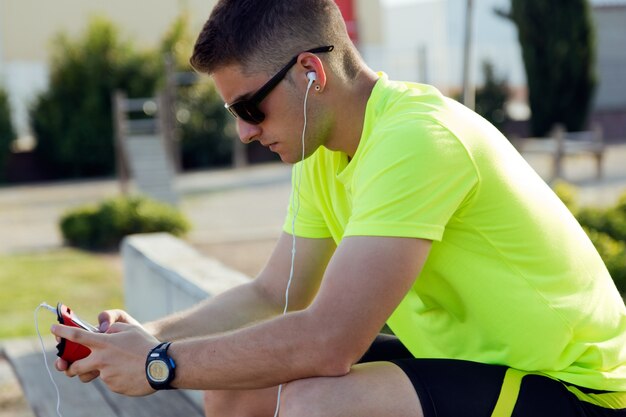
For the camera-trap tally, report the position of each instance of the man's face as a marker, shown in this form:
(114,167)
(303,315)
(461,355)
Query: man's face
(281,128)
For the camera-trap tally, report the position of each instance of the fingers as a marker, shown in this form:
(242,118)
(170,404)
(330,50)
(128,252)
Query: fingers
(119,327)
(75,334)
(84,368)
(61,365)
(89,376)
(108,317)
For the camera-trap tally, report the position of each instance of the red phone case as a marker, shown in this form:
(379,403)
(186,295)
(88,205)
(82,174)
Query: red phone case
(66,349)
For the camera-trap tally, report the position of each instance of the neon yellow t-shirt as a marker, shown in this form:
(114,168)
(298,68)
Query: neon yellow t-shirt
(511,278)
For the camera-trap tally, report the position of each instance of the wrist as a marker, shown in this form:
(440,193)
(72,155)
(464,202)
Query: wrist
(160,367)
(153,329)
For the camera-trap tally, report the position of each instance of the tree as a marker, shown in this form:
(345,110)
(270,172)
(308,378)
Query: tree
(492,96)
(205,130)
(7,134)
(558,48)
(73,119)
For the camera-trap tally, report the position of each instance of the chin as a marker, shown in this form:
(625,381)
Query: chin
(286,159)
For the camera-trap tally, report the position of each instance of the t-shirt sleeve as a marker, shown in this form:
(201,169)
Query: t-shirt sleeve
(410,182)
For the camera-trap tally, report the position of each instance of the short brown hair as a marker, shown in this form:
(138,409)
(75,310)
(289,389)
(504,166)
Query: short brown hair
(262,35)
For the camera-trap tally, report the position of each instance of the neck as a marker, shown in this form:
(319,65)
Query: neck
(348,106)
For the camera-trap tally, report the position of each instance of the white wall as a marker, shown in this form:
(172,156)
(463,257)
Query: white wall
(439,27)
(24,81)
(611,57)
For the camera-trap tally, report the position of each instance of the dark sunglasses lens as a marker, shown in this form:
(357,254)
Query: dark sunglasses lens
(247,111)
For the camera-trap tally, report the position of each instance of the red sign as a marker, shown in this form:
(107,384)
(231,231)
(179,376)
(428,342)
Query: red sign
(347,11)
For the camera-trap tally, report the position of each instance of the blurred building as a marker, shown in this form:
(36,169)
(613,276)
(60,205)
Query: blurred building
(610,19)
(610,99)
(419,40)
(423,40)
(28,28)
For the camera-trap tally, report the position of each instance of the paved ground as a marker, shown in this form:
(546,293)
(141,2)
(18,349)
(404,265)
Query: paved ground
(223,206)
(12,402)
(237,216)
(234,206)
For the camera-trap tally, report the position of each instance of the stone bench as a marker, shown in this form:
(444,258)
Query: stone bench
(162,275)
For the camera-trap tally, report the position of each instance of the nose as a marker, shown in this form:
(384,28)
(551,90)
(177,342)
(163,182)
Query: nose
(247,131)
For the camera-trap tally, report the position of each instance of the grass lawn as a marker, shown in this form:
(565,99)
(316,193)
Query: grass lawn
(85,282)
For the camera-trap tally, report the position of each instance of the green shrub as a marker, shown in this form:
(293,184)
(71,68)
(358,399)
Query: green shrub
(567,193)
(105,225)
(73,119)
(78,226)
(611,221)
(207,133)
(605,227)
(613,253)
(594,218)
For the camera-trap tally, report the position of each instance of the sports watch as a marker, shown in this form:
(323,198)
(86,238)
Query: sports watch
(160,368)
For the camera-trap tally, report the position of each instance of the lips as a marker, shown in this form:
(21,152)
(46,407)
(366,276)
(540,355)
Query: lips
(269,144)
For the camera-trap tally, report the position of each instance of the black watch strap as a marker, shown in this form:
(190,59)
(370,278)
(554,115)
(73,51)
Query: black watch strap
(159,362)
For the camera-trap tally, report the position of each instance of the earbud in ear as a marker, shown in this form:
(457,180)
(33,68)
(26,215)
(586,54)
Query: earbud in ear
(311,76)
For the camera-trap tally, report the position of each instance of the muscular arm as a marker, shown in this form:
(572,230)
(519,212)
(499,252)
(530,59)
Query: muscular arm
(363,283)
(366,279)
(257,300)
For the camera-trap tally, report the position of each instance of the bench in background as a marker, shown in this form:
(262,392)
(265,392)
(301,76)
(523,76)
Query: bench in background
(561,144)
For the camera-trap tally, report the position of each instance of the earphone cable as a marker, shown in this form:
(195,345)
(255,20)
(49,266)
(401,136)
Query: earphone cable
(295,203)
(45,359)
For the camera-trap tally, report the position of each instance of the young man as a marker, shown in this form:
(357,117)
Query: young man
(407,209)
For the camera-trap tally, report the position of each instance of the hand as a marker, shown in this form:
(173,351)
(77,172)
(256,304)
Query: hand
(105,319)
(117,356)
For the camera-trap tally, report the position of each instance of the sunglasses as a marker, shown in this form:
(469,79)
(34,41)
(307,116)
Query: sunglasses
(248,108)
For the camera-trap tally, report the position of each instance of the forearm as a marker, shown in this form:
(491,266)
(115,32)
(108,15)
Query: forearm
(325,338)
(260,299)
(279,350)
(230,310)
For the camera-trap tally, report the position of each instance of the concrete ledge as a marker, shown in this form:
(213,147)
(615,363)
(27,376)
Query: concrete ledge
(163,275)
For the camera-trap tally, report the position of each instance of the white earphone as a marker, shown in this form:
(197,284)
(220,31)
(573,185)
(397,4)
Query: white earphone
(295,203)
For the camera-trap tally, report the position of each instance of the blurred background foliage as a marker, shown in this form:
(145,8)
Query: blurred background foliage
(72,120)
(492,96)
(103,226)
(606,227)
(206,130)
(558,50)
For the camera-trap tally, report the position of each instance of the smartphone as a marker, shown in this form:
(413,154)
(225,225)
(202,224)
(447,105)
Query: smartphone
(66,349)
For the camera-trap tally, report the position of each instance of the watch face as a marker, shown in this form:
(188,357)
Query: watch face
(158,371)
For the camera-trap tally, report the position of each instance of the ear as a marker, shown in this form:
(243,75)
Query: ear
(310,63)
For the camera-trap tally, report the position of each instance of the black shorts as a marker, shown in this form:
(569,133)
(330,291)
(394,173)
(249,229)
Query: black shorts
(456,388)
